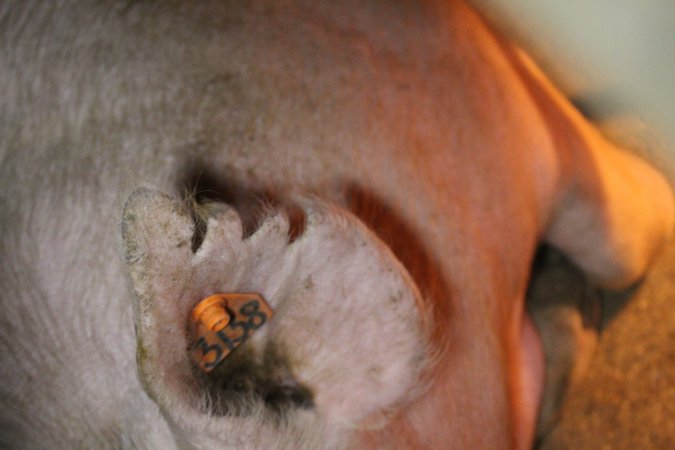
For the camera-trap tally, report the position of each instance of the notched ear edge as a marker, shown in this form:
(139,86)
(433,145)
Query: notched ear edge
(158,304)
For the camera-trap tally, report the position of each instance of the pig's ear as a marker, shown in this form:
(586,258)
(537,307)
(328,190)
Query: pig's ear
(346,340)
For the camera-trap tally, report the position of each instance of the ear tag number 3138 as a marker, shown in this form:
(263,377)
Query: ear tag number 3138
(222,322)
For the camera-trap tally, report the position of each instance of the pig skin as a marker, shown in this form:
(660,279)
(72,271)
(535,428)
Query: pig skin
(433,131)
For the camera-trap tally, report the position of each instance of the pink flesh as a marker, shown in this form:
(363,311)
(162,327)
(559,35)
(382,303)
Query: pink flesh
(531,382)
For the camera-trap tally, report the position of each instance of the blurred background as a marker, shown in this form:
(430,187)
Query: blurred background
(615,59)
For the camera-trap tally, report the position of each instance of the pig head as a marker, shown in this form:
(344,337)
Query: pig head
(380,172)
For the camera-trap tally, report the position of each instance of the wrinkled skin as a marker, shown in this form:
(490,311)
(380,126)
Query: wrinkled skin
(420,135)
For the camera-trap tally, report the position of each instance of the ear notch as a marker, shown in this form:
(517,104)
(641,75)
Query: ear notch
(346,341)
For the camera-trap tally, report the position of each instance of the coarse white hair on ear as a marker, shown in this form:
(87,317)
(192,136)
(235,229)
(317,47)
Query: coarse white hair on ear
(347,341)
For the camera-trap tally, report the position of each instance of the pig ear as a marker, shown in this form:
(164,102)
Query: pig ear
(346,340)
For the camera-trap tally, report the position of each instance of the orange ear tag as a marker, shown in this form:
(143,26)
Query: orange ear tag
(222,322)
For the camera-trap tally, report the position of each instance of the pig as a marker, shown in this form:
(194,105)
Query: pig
(380,172)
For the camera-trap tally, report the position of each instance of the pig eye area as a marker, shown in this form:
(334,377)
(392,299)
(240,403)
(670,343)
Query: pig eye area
(239,377)
(246,381)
